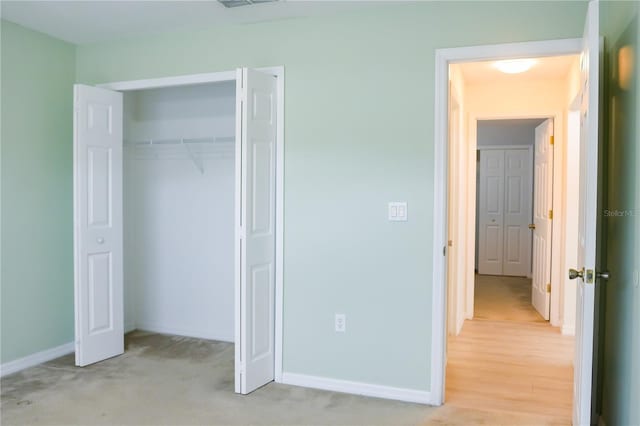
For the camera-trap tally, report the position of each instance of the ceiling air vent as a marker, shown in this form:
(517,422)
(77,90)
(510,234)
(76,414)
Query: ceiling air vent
(238,3)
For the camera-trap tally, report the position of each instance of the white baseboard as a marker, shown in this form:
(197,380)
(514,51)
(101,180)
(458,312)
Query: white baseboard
(568,330)
(129,327)
(198,334)
(358,388)
(35,359)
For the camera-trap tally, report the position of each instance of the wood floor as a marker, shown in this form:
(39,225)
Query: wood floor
(512,366)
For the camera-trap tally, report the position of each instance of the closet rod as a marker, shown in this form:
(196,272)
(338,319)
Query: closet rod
(182,141)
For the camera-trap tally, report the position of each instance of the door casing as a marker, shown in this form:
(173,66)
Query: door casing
(214,77)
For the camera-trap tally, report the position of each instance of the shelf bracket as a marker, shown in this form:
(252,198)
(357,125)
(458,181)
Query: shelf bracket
(197,161)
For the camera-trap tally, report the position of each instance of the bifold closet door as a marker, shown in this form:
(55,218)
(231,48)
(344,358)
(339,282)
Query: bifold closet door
(97,198)
(505,212)
(255,204)
(518,187)
(491,212)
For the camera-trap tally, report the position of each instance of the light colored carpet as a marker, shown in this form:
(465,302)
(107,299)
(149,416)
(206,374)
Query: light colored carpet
(168,380)
(503,298)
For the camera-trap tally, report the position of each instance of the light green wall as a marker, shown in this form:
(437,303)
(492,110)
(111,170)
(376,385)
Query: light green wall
(620,369)
(37,252)
(359,131)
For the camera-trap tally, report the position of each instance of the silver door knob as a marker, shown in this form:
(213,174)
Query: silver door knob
(100,240)
(573,274)
(603,275)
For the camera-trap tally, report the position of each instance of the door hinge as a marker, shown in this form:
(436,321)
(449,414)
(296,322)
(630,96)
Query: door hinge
(551,140)
(548,287)
(551,214)
(450,243)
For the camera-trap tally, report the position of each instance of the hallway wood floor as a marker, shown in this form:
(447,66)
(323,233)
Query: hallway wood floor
(511,366)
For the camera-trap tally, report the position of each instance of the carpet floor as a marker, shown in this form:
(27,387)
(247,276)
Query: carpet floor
(503,298)
(169,380)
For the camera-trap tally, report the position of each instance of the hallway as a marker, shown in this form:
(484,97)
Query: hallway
(508,358)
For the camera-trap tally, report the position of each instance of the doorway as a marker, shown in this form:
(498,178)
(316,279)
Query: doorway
(201,226)
(588,71)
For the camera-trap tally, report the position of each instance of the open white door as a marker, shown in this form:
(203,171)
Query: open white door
(255,203)
(587,218)
(97,207)
(542,216)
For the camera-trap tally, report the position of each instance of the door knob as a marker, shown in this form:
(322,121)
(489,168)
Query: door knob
(573,274)
(532,226)
(100,240)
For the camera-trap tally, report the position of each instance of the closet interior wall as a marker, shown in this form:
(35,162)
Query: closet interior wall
(179,188)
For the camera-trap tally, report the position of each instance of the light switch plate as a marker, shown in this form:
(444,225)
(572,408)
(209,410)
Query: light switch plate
(398,211)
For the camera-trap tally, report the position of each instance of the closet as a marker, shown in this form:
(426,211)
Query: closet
(505,194)
(178,210)
(178,223)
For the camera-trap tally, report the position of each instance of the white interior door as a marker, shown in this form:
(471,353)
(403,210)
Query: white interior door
(542,216)
(453,196)
(587,218)
(99,331)
(255,291)
(491,212)
(517,212)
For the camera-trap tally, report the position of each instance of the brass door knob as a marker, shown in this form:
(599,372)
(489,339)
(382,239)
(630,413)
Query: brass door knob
(573,274)
(532,226)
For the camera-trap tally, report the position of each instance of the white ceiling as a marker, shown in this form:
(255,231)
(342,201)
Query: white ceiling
(84,22)
(553,67)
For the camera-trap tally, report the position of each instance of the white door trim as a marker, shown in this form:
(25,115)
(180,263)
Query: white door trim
(443,58)
(221,76)
(525,147)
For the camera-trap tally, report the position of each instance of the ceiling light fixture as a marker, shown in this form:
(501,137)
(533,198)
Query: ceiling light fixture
(514,66)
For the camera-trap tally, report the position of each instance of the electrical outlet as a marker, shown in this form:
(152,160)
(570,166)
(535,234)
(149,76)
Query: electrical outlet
(341,323)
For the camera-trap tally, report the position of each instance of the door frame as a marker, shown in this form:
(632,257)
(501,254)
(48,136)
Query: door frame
(557,238)
(222,76)
(443,58)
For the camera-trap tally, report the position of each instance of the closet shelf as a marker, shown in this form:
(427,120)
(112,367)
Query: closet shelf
(194,147)
(181,141)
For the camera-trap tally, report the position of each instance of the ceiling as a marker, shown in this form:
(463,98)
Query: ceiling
(553,67)
(84,22)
